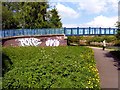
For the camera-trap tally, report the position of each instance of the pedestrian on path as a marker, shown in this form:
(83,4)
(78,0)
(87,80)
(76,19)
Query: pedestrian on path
(104,45)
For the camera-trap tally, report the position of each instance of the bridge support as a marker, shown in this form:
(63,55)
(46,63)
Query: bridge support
(43,40)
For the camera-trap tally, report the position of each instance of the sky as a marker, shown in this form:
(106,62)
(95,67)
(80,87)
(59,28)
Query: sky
(87,13)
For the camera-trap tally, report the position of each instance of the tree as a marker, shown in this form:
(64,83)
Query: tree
(29,15)
(55,20)
(118,31)
(8,16)
(33,14)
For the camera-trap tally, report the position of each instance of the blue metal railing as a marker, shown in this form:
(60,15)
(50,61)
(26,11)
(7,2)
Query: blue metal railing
(67,31)
(89,31)
(29,32)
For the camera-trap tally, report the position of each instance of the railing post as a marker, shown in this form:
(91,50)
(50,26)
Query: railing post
(14,33)
(109,30)
(10,33)
(105,31)
(94,31)
(34,31)
(54,30)
(64,30)
(113,31)
(71,31)
(89,30)
(83,31)
(100,31)
(22,31)
(4,33)
(77,31)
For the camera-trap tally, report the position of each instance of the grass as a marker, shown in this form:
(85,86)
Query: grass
(49,67)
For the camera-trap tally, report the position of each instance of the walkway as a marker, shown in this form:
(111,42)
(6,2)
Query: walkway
(107,71)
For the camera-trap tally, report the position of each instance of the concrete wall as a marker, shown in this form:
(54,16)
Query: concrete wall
(44,40)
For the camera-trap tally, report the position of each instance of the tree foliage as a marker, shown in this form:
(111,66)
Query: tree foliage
(118,31)
(54,19)
(29,15)
(118,34)
(8,17)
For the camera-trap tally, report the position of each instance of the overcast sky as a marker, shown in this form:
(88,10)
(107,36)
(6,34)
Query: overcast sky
(87,13)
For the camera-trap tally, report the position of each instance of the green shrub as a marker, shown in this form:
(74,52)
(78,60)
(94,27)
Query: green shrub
(6,64)
(73,39)
(101,38)
(117,42)
(51,67)
(89,39)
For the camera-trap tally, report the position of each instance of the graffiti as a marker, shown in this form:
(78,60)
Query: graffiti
(52,42)
(60,38)
(29,41)
(36,42)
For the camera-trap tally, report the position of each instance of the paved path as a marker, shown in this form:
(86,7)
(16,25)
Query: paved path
(107,71)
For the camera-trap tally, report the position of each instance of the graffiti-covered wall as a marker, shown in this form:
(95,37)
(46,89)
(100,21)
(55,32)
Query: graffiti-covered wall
(46,40)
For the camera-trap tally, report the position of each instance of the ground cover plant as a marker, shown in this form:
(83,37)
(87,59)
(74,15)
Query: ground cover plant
(49,67)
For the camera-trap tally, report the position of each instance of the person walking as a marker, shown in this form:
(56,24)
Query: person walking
(104,45)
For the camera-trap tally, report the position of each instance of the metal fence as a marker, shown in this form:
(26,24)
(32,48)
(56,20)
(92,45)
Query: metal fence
(67,31)
(30,32)
(89,31)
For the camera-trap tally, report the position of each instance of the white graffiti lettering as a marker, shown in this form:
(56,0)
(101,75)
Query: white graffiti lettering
(29,41)
(53,42)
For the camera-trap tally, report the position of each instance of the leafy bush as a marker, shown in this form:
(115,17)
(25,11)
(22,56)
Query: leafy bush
(89,39)
(73,39)
(117,42)
(101,38)
(51,67)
